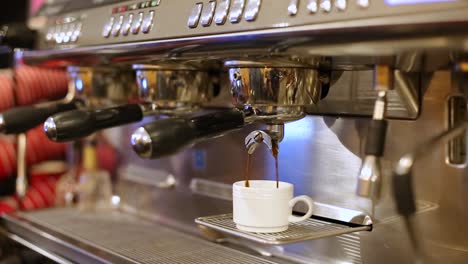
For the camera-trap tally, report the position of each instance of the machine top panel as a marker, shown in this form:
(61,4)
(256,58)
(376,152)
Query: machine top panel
(183,24)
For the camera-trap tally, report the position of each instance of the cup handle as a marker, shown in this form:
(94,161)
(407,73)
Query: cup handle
(302,198)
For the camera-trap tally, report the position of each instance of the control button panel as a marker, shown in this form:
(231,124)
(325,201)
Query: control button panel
(195,15)
(237,8)
(222,11)
(251,10)
(219,11)
(207,14)
(134,18)
(64,30)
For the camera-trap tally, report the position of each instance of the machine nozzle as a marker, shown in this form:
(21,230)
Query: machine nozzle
(369,180)
(50,128)
(2,124)
(270,137)
(141,142)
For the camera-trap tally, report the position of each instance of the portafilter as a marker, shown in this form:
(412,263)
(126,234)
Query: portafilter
(166,89)
(271,92)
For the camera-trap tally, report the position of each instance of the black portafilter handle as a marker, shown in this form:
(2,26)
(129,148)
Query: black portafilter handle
(168,136)
(21,119)
(80,123)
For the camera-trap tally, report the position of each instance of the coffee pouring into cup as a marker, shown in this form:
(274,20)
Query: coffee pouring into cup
(263,206)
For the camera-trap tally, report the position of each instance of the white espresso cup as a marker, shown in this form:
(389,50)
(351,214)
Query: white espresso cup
(263,208)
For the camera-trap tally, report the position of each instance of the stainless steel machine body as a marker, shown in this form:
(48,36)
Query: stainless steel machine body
(424,43)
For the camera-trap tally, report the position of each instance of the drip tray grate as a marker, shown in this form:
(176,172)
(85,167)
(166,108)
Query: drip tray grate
(297,232)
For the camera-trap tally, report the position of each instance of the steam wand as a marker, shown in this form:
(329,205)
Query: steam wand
(403,192)
(370,174)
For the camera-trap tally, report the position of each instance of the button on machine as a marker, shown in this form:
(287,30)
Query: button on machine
(252,9)
(50,34)
(237,8)
(312,6)
(293,7)
(76,32)
(341,4)
(108,27)
(195,15)
(68,32)
(117,26)
(326,5)
(148,22)
(363,3)
(59,34)
(207,14)
(222,11)
(127,25)
(137,23)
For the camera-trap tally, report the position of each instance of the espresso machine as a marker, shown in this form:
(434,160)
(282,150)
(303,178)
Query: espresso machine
(362,102)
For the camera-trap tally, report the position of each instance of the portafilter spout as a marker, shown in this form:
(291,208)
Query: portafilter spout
(271,137)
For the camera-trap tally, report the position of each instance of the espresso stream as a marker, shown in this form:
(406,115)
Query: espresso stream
(274,151)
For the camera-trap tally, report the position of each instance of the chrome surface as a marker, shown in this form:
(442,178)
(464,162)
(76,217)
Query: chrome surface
(208,13)
(147,22)
(370,173)
(221,12)
(194,16)
(21,174)
(276,93)
(326,5)
(2,124)
(141,142)
(312,6)
(70,229)
(457,112)
(251,10)
(50,128)
(117,26)
(370,178)
(106,31)
(406,162)
(137,23)
(341,5)
(127,25)
(52,256)
(321,157)
(167,88)
(293,7)
(297,232)
(236,10)
(102,85)
(255,138)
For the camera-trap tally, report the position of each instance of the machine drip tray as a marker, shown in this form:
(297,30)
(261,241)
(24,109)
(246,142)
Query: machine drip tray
(312,228)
